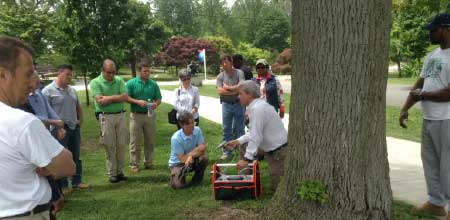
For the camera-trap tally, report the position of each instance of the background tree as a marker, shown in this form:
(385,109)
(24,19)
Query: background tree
(337,165)
(273,30)
(146,34)
(283,63)
(213,15)
(180,51)
(223,46)
(30,21)
(251,54)
(91,31)
(179,16)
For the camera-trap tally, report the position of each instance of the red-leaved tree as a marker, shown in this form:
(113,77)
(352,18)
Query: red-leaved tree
(283,64)
(180,51)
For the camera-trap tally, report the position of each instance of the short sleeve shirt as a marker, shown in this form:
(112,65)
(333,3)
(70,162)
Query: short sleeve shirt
(64,102)
(182,144)
(436,75)
(99,86)
(139,90)
(25,145)
(235,79)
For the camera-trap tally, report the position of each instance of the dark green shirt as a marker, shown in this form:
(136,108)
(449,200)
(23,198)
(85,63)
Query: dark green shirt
(139,90)
(99,86)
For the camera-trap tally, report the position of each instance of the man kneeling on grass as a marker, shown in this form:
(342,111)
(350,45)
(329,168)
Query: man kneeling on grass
(187,154)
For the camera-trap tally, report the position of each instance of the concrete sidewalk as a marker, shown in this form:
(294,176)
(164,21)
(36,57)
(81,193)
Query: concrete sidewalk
(407,180)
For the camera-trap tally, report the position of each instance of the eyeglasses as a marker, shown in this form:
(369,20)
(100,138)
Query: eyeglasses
(185,79)
(260,67)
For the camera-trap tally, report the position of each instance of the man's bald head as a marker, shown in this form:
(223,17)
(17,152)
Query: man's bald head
(108,62)
(109,70)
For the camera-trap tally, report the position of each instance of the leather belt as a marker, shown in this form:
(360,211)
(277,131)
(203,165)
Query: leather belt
(277,149)
(38,209)
(139,112)
(111,113)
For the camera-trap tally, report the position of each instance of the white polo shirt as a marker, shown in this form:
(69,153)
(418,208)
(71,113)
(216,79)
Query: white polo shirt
(25,145)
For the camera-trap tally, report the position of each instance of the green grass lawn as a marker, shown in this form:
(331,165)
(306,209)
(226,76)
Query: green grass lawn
(402,81)
(414,123)
(211,91)
(147,195)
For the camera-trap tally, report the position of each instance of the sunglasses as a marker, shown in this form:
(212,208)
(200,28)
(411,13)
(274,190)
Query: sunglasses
(185,79)
(260,67)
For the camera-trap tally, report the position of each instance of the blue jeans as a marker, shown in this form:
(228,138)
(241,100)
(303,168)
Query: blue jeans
(72,142)
(232,122)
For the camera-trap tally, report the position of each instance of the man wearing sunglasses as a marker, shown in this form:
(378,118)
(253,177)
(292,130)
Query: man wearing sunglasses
(433,91)
(270,86)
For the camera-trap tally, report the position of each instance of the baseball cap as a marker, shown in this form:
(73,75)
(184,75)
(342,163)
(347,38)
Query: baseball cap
(441,20)
(261,61)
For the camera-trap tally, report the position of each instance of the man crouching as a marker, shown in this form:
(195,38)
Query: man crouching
(187,154)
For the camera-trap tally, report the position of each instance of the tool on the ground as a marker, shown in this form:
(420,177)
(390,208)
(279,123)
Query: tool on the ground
(244,185)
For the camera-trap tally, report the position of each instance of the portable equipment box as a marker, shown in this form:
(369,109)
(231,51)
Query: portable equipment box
(236,187)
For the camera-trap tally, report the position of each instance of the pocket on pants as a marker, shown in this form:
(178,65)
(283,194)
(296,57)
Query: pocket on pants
(102,120)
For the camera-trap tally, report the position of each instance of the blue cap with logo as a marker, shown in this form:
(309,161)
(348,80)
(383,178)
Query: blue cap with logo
(441,20)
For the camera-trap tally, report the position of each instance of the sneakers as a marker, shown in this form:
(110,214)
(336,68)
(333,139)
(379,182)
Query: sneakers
(225,157)
(81,186)
(66,190)
(113,179)
(429,208)
(148,166)
(122,177)
(135,169)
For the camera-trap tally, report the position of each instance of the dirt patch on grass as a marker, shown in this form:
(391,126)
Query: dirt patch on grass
(224,213)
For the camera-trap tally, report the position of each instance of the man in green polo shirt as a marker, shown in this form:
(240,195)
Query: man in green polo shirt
(109,93)
(142,94)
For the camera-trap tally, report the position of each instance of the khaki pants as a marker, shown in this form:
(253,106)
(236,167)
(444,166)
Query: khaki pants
(275,161)
(114,137)
(198,167)
(40,216)
(142,124)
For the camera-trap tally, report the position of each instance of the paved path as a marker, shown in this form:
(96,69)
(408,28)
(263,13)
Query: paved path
(406,172)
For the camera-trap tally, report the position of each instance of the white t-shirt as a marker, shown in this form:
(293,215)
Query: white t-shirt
(436,75)
(25,145)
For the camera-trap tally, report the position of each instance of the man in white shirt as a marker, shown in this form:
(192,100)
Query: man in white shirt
(433,91)
(28,152)
(267,134)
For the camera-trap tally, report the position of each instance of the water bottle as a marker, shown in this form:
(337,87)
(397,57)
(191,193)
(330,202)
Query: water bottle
(149,108)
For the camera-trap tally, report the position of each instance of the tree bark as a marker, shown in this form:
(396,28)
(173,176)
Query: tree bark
(86,87)
(337,120)
(133,67)
(399,68)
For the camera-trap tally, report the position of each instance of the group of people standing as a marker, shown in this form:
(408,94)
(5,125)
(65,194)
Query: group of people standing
(255,101)
(38,152)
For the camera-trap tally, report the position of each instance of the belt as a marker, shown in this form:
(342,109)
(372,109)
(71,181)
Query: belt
(111,113)
(38,209)
(139,112)
(231,103)
(277,149)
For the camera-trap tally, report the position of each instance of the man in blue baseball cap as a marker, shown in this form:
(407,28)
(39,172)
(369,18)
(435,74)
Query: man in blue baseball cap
(433,91)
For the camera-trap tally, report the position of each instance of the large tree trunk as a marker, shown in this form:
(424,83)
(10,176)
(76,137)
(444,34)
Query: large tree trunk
(337,121)
(86,87)
(399,68)
(133,67)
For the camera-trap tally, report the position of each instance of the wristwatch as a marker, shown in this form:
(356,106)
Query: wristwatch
(248,160)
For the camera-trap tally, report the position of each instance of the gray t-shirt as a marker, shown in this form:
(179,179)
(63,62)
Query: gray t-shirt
(64,102)
(236,78)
